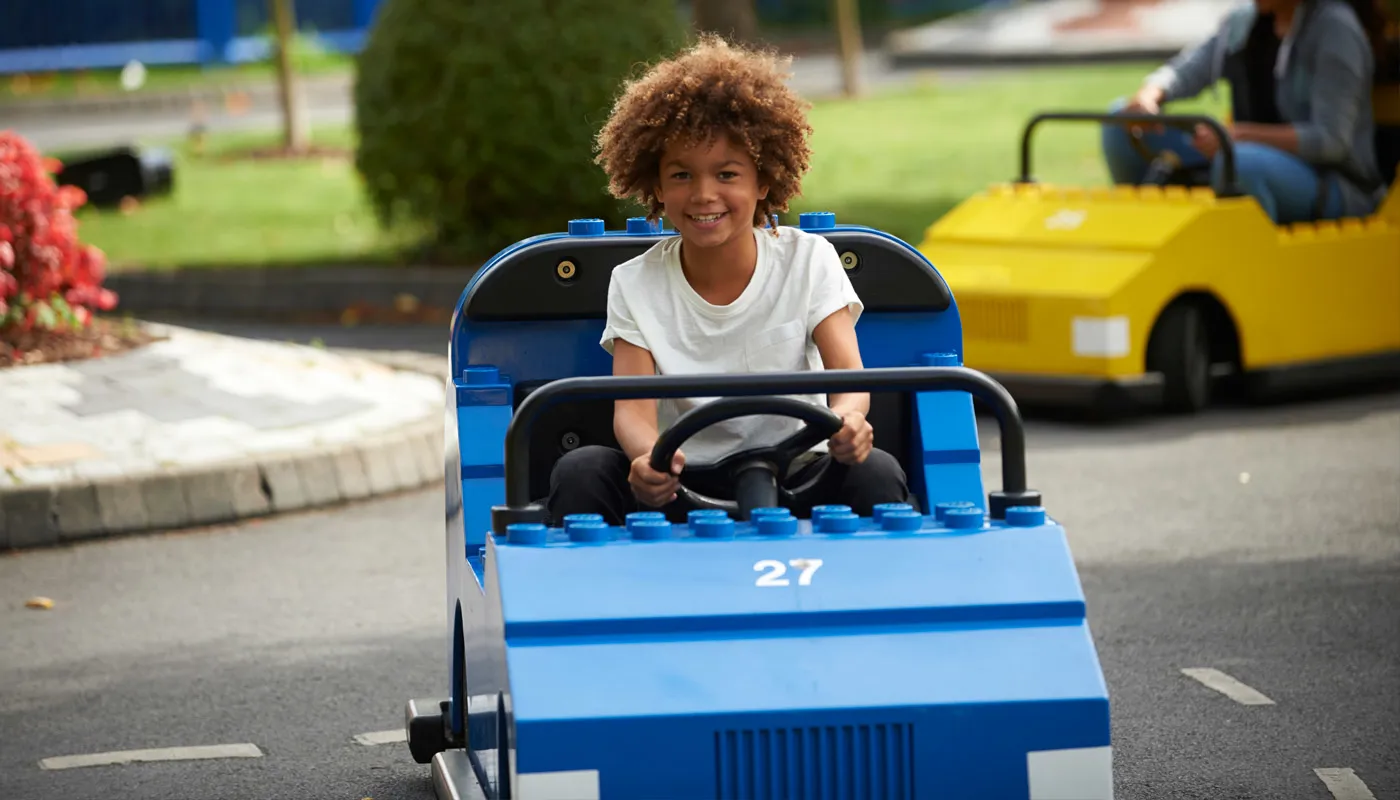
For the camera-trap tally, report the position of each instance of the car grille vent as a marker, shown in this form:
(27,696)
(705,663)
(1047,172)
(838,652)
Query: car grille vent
(994,320)
(829,763)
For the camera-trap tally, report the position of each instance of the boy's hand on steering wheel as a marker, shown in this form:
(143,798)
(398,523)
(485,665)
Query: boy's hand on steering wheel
(652,488)
(854,441)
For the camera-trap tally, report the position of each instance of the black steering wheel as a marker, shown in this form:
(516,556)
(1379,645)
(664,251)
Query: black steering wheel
(756,473)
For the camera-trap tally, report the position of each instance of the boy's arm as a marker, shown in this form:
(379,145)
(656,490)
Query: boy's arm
(835,338)
(634,421)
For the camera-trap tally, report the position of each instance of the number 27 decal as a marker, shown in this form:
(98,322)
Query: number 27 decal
(773,571)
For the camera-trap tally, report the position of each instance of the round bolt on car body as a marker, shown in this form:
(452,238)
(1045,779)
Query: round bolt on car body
(901,521)
(884,508)
(642,516)
(963,518)
(570,441)
(589,532)
(586,227)
(820,511)
(774,525)
(850,260)
(837,523)
(526,533)
(940,511)
(650,530)
(1025,516)
(713,527)
(566,270)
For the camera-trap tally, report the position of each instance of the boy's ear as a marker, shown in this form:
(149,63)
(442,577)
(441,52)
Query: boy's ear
(762,191)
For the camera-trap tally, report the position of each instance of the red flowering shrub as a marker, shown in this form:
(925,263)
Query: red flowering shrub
(48,279)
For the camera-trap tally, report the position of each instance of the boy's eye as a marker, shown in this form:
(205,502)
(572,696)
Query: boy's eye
(728,174)
(679,176)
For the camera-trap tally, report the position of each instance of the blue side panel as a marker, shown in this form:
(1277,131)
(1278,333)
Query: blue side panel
(952,455)
(481,432)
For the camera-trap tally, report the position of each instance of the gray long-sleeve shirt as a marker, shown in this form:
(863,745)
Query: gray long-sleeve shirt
(1323,82)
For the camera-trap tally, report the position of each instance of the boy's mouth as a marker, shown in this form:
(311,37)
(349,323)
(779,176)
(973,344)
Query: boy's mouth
(707,219)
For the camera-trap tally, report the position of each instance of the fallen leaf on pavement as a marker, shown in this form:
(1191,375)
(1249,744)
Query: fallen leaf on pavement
(39,602)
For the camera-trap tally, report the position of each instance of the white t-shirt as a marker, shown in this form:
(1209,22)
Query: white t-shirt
(798,281)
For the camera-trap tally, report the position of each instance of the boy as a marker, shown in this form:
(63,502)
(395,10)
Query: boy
(716,141)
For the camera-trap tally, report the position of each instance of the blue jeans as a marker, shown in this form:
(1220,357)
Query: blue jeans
(1285,185)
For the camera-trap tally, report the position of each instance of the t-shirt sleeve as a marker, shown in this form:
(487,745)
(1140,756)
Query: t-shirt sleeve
(622,323)
(831,287)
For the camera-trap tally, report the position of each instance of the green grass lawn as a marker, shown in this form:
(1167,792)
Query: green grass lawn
(895,160)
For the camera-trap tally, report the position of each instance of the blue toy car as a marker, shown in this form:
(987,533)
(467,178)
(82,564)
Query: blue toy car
(937,651)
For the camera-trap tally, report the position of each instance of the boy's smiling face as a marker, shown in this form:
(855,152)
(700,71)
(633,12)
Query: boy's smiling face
(710,191)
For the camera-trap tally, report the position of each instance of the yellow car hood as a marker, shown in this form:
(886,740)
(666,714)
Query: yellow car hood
(1041,241)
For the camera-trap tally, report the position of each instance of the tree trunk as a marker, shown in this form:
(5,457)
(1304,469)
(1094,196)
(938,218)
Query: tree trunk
(295,129)
(848,32)
(735,20)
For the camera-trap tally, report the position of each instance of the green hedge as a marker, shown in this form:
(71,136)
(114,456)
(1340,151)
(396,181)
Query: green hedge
(476,120)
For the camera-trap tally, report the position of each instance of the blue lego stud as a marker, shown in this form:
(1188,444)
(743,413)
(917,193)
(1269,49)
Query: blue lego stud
(586,227)
(642,516)
(940,511)
(589,532)
(816,220)
(713,526)
(526,533)
(939,359)
(884,508)
(832,522)
(570,520)
(820,511)
(481,375)
(769,511)
(1025,516)
(774,525)
(649,530)
(705,513)
(963,518)
(642,225)
(901,520)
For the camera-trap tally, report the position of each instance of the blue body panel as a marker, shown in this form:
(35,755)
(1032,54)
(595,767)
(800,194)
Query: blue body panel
(932,663)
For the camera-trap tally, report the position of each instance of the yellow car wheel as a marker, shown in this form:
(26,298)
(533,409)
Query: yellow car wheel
(1180,350)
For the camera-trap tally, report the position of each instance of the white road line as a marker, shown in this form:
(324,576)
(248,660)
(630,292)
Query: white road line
(159,754)
(1227,686)
(1343,783)
(381,737)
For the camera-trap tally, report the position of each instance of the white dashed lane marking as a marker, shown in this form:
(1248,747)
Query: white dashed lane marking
(381,737)
(159,754)
(1228,686)
(1343,783)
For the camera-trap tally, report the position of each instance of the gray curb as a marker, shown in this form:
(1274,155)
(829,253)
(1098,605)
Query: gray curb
(290,292)
(402,460)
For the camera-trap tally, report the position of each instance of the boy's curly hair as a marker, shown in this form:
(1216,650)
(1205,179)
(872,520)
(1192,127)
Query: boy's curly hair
(711,88)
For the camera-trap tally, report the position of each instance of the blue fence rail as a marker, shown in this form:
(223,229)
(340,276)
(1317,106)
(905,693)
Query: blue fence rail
(61,35)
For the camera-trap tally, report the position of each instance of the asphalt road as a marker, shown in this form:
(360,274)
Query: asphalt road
(298,633)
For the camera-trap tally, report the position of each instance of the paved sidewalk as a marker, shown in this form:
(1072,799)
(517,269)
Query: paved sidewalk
(201,428)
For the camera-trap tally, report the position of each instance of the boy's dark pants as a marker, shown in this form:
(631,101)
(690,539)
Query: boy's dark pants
(593,480)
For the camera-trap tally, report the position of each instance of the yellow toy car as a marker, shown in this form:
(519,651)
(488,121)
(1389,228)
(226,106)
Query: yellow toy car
(1148,294)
